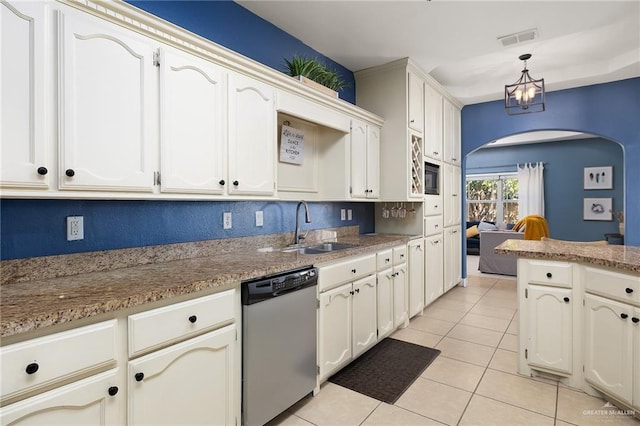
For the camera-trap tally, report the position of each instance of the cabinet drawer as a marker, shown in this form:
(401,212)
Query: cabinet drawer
(384,259)
(432,205)
(333,275)
(616,285)
(432,225)
(158,327)
(40,362)
(556,274)
(399,255)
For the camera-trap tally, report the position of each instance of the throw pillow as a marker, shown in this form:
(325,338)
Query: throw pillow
(473,231)
(486,226)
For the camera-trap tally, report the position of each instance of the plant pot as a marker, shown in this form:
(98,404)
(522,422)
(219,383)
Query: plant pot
(317,86)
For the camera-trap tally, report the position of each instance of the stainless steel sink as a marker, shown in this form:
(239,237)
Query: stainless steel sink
(319,248)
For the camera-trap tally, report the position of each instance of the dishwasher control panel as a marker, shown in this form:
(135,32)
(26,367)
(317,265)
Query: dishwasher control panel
(254,291)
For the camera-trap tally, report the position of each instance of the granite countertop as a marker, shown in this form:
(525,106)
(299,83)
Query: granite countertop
(36,303)
(624,258)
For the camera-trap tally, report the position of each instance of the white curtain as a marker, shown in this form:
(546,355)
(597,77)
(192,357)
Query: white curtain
(531,189)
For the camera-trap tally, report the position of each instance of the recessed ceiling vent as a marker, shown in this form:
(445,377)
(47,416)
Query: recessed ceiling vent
(521,37)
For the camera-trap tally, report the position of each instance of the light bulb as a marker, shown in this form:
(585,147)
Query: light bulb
(518,94)
(531,92)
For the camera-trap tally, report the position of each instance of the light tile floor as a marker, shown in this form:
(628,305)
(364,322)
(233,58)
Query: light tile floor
(472,382)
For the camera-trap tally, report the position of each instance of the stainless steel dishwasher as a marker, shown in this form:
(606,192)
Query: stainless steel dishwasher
(278,343)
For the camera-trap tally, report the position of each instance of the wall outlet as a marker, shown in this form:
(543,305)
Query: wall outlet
(349,214)
(259,218)
(226,220)
(75,228)
(343,214)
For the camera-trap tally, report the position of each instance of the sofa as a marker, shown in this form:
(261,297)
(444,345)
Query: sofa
(473,243)
(492,263)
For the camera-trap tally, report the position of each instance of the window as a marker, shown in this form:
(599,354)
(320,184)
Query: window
(492,198)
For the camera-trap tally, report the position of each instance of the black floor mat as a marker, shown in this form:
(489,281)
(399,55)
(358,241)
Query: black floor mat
(385,371)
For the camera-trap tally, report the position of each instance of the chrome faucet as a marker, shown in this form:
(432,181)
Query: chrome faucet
(307,219)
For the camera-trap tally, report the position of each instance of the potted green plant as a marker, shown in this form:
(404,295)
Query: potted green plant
(311,70)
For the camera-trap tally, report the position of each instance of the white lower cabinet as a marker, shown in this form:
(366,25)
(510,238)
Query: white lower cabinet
(187,383)
(608,357)
(385,303)
(91,401)
(416,276)
(400,296)
(452,257)
(433,268)
(549,318)
(347,323)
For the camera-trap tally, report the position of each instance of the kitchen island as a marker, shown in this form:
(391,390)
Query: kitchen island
(579,316)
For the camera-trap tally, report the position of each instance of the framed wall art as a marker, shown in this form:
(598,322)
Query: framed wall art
(597,209)
(598,177)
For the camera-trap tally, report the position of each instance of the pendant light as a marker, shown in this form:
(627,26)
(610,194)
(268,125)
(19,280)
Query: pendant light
(525,95)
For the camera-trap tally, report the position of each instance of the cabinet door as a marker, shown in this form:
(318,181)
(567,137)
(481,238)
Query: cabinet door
(385,303)
(193,382)
(433,268)
(451,197)
(608,357)
(452,257)
(416,102)
(192,131)
(365,321)
(433,124)
(334,332)
(107,100)
(451,133)
(22,139)
(636,351)
(373,161)
(416,277)
(252,136)
(549,318)
(400,296)
(358,159)
(96,400)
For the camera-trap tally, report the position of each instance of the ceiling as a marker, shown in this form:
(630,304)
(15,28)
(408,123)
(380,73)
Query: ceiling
(578,42)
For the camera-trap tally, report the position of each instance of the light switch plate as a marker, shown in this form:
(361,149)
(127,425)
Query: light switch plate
(343,214)
(349,214)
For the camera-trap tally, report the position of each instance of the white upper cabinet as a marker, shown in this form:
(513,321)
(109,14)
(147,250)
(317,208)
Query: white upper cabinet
(451,132)
(22,54)
(433,123)
(192,125)
(252,136)
(107,96)
(365,160)
(416,102)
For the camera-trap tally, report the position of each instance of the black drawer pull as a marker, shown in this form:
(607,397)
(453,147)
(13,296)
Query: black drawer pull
(32,368)
(222,182)
(635,320)
(624,316)
(193,319)
(566,299)
(628,290)
(113,390)
(42,171)
(549,275)
(139,377)
(70,173)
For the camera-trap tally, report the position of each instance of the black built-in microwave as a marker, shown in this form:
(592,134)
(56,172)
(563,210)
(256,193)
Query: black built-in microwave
(431,178)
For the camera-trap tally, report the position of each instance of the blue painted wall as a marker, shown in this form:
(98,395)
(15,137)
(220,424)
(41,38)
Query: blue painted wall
(609,110)
(38,227)
(563,175)
(232,26)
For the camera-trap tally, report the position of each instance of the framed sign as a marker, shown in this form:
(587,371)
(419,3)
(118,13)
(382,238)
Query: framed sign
(291,145)
(598,177)
(597,209)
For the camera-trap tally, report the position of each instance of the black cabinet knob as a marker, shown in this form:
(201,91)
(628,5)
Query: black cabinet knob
(549,275)
(357,290)
(353,271)
(628,290)
(113,390)
(236,183)
(351,292)
(42,171)
(139,377)
(566,299)
(624,316)
(70,173)
(222,182)
(32,368)
(635,320)
(193,319)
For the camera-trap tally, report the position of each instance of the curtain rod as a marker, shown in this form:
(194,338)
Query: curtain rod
(501,165)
